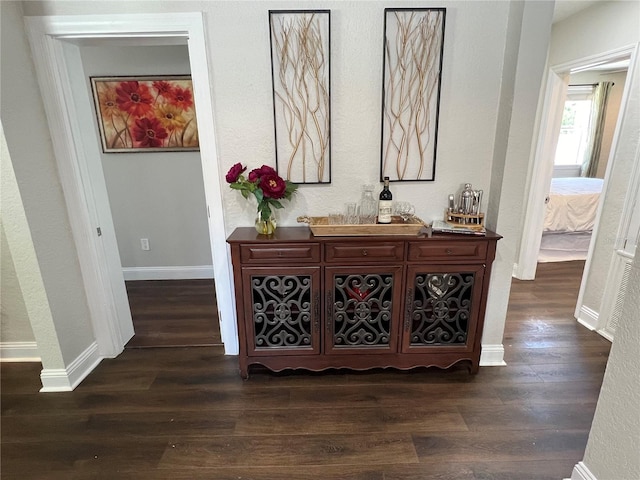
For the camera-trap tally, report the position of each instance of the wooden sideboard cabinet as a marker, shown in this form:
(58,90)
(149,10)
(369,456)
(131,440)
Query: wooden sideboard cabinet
(359,302)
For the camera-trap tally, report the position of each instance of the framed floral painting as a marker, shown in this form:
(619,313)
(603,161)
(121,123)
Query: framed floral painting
(145,114)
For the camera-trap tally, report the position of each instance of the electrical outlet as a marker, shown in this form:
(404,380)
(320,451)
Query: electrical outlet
(144,243)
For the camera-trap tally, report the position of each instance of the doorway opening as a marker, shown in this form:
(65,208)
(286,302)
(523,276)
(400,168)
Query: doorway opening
(557,83)
(55,44)
(591,112)
(156,197)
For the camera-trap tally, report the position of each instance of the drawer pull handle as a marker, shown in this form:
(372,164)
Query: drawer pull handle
(364,253)
(448,251)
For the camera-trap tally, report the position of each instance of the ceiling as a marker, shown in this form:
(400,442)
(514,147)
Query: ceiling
(566,8)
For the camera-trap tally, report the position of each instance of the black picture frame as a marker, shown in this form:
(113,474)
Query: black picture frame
(413,51)
(301,78)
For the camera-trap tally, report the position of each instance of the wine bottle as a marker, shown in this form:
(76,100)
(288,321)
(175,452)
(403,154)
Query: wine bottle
(385,203)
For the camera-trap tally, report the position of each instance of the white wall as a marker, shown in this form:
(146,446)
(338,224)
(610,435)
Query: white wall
(522,76)
(611,26)
(153,195)
(60,319)
(470,89)
(241,69)
(612,449)
(14,319)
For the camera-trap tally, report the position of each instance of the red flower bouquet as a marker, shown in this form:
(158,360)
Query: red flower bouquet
(266,186)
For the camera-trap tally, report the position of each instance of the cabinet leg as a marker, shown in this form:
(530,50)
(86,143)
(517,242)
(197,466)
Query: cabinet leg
(474,367)
(244,368)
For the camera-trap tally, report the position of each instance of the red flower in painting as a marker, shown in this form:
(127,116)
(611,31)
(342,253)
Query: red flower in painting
(273,186)
(163,88)
(148,132)
(134,98)
(182,97)
(108,102)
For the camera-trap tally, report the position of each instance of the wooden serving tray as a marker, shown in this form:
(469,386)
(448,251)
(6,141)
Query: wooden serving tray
(320,227)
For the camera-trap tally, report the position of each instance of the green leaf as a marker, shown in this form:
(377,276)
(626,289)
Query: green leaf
(265,211)
(290,189)
(276,203)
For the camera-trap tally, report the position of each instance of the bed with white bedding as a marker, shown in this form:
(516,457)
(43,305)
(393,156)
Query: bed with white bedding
(569,218)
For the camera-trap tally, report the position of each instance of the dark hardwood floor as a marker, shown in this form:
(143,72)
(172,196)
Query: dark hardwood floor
(173,313)
(184,413)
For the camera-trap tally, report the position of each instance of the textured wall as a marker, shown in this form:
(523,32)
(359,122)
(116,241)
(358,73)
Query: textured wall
(468,109)
(612,450)
(62,323)
(14,319)
(239,53)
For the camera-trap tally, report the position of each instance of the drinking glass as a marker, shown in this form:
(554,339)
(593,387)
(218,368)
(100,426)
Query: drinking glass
(351,213)
(335,218)
(404,209)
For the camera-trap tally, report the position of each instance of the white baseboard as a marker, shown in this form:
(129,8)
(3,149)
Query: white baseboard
(167,273)
(581,472)
(588,317)
(492,356)
(520,273)
(66,379)
(19,352)
(606,334)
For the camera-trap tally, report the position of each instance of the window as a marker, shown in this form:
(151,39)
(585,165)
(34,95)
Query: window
(576,122)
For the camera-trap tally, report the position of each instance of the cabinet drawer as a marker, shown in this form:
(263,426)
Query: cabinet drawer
(364,252)
(298,253)
(467,250)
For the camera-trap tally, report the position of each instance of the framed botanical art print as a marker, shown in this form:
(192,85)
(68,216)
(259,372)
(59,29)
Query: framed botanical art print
(412,68)
(145,114)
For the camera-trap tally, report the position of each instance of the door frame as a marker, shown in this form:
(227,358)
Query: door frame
(99,261)
(542,168)
(542,172)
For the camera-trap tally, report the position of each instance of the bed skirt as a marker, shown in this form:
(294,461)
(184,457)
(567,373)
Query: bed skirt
(563,247)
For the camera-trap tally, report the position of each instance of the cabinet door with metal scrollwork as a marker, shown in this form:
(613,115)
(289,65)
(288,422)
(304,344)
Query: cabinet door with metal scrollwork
(282,310)
(363,306)
(442,305)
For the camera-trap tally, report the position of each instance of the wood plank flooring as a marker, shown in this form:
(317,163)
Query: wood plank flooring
(184,413)
(173,313)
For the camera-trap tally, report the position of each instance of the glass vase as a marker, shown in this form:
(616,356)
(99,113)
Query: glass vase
(265,227)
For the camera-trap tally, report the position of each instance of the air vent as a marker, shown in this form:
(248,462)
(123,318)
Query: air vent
(614,320)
